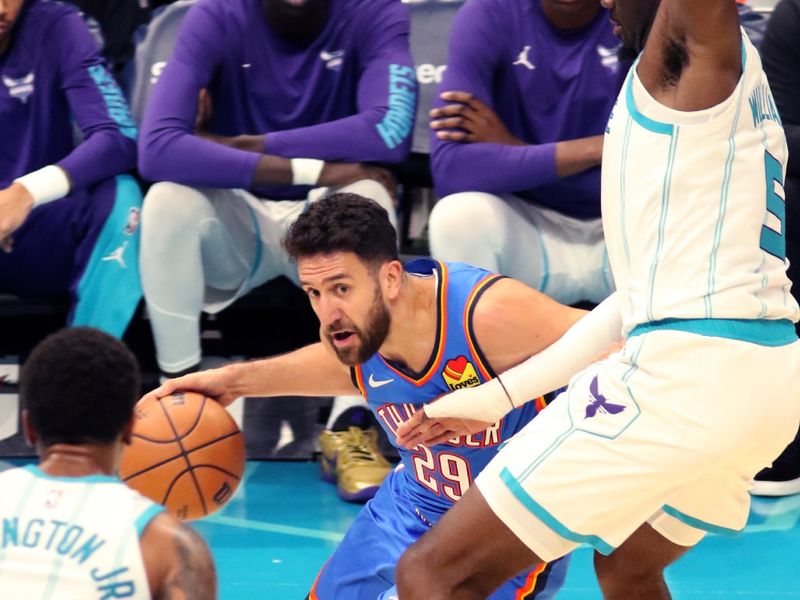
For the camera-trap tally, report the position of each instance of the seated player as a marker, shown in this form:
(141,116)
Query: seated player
(297,99)
(516,142)
(68,217)
(71,529)
(402,336)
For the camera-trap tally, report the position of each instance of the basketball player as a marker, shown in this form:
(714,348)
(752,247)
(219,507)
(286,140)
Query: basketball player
(69,215)
(300,95)
(656,445)
(71,529)
(402,337)
(517,139)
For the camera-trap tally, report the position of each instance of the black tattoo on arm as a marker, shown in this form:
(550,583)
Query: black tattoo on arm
(192,575)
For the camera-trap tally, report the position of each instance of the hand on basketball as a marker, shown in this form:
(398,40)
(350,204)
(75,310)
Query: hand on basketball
(421,429)
(214,383)
(16,204)
(468,119)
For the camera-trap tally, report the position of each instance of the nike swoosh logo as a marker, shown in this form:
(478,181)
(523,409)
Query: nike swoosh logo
(374,383)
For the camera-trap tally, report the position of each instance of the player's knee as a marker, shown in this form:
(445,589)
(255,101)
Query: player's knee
(374,190)
(171,206)
(412,575)
(463,216)
(619,574)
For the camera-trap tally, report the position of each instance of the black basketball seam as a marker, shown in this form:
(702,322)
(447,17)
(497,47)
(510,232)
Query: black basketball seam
(184,453)
(218,468)
(214,441)
(179,455)
(151,467)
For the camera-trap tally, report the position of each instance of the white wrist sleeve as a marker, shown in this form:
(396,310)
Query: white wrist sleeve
(546,371)
(487,402)
(305,171)
(45,185)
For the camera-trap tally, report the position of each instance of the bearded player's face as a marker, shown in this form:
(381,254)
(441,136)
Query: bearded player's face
(346,296)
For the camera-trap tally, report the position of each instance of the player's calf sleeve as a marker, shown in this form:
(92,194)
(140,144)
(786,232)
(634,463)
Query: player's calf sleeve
(172,273)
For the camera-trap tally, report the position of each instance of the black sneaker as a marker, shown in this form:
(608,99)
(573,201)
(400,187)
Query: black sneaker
(783,477)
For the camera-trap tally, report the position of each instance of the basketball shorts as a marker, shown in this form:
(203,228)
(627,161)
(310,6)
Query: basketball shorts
(669,431)
(363,565)
(561,256)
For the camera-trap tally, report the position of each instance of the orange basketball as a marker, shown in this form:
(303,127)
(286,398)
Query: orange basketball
(187,454)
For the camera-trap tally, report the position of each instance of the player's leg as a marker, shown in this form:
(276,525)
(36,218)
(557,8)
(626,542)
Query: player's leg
(484,230)
(363,565)
(468,554)
(108,288)
(577,261)
(183,224)
(85,244)
(635,570)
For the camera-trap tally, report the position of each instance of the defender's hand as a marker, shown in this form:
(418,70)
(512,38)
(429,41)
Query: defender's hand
(421,429)
(476,121)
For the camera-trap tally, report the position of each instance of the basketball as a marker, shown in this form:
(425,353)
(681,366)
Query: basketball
(187,453)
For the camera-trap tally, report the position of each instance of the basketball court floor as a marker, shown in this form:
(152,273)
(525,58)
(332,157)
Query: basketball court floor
(271,539)
(276,533)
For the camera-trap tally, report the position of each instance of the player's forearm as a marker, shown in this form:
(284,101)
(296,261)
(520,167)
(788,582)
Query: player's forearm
(99,157)
(491,168)
(548,370)
(309,371)
(364,137)
(170,154)
(576,156)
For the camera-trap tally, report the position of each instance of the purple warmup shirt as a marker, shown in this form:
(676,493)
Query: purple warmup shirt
(348,95)
(51,76)
(562,87)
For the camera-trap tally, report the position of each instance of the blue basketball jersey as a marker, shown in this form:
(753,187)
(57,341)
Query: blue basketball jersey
(437,476)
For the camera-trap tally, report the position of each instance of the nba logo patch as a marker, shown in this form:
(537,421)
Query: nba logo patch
(459,373)
(132,222)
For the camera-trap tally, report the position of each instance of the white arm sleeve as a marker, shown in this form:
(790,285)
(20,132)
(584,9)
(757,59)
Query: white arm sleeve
(546,371)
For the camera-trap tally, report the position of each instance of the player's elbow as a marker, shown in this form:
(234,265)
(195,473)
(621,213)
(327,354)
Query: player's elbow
(151,163)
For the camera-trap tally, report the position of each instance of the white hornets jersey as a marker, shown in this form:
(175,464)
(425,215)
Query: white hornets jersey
(693,205)
(71,538)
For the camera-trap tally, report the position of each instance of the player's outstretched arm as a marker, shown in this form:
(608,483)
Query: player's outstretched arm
(309,371)
(692,58)
(576,345)
(177,560)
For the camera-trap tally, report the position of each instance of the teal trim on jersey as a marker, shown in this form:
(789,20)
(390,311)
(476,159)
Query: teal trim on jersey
(545,517)
(634,365)
(662,220)
(723,203)
(622,180)
(110,287)
(646,122)
(756,331)
(148,514)
(698,523)
(744,54)
(35,470)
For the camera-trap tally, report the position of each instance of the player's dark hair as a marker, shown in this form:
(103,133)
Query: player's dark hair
(79,386)
(343,223)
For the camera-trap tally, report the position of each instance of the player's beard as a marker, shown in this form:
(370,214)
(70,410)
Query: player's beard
(371,337)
